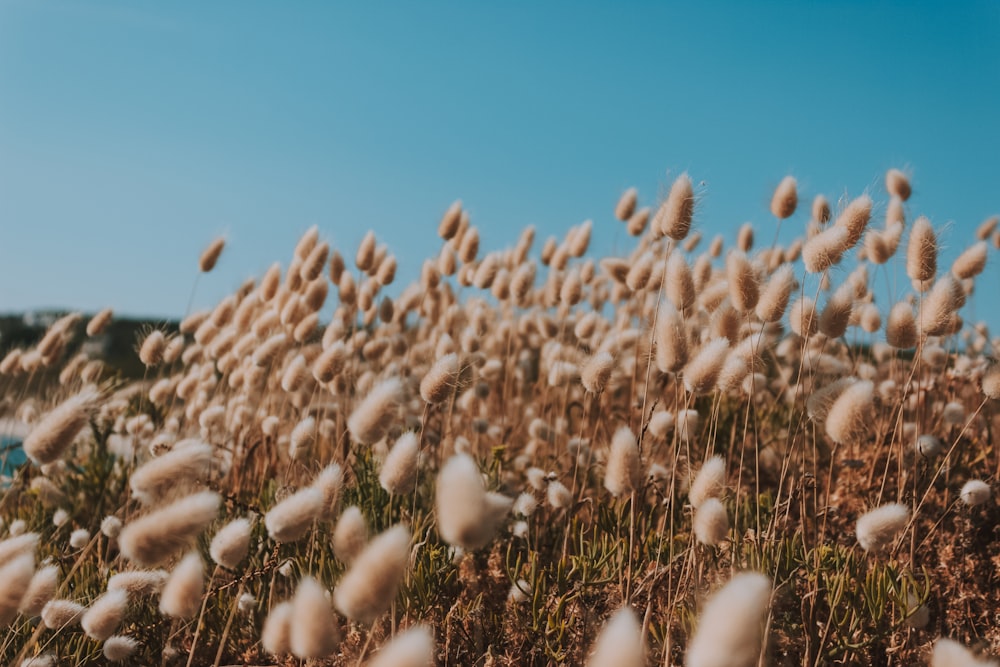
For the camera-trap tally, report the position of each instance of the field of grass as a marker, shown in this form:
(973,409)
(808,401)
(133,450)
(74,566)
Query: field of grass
(723,453)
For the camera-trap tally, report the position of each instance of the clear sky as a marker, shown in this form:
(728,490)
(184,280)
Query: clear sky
(133,133)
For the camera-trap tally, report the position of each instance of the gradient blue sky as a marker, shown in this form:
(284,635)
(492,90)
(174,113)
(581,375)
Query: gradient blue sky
(132,133)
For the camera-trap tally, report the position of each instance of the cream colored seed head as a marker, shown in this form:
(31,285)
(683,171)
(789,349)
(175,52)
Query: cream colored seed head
(785,198)
(921,254)
(673,219)
(210,255)
(731,627)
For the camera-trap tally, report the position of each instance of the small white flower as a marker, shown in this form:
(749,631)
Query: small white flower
(111,526)
(78,538)
(975,492)
(247,603)
(519,591)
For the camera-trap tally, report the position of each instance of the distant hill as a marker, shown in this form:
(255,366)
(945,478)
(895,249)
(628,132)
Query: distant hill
(116,347)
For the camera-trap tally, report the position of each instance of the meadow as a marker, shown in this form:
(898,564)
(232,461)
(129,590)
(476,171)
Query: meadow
(711,452)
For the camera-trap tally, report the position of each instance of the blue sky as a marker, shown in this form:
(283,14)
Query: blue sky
(133,133)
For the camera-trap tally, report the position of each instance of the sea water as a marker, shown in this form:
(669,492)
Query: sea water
(11,455)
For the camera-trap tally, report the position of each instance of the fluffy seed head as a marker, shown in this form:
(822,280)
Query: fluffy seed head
(151,351)
(785,198)
(686,423)
(975,492)
(313,264)
(774,299)
(876,247)
(330,362)
(230,545)
(155,537)
(836,314)
(210,255)
(638,276)
(179,467)
(897,184)
(365,258)
(679,285)
(371,418)
(730,631)
(855,218)
(744,237)
(467,515)
(99,322)
(313,631)
(450,221)
(949,653)
(50,438)
(329,482)
(821,209)
(42,588)
(413,648)
(744,289)
(441,380)
(11,364)
(673,219)
(877,529)
(987,227)
(929,446)
(619,644)
(711,523)
(182,593)
(597,371)
(661,423)
(852,414)
(469,247)
(921,254)
(636,224)
(578,239)
(825,249)
(58,614)
(710,482)
(819,403)
(275,637)
(350,535)
(991,382)
(78,538)
(295,374)
(971,262)
(623,471)
(702,372)
(670,339)
(940,305)
(40,660)
(139,583)
(802,317)
(370,585)
(558,496)
(119,648)
(15,579)
(104,616)
(399,470)
(626,205)
(901,327)
(291,519)
(269,349)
